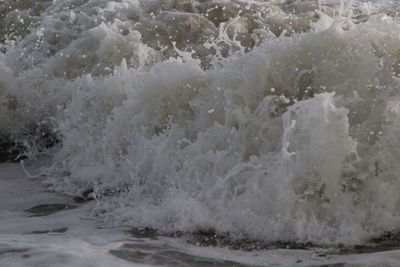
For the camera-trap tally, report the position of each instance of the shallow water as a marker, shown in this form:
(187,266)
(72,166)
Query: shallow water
(69,237)
(272,121)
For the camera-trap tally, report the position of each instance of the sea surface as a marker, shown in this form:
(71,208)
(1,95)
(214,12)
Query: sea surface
(199,133)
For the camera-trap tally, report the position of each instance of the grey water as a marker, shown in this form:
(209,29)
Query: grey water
(273,124)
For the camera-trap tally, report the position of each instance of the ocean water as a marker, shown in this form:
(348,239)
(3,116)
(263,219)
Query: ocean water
(273,121)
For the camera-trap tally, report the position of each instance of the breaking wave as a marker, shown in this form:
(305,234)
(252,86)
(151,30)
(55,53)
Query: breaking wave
(273,120)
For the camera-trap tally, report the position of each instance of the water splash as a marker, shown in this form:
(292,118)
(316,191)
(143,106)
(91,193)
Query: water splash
(274,120)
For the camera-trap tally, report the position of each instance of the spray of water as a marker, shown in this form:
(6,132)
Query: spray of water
(273,120)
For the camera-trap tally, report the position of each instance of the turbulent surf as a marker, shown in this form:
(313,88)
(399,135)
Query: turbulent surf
(272,120)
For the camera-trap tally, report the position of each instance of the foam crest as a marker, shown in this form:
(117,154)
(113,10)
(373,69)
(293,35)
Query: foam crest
(273,120)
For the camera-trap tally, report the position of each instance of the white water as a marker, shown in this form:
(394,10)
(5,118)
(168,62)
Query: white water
(272,120)
(24,241)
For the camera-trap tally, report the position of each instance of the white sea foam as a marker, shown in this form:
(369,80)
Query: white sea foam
(273,120)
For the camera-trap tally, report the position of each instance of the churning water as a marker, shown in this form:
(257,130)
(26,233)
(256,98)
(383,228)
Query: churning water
(269,120)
